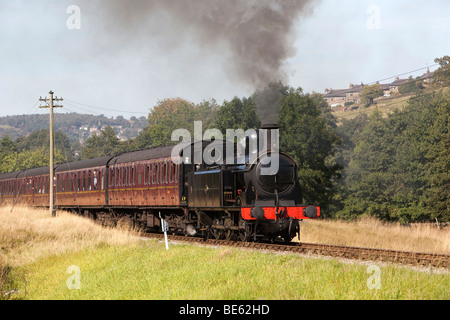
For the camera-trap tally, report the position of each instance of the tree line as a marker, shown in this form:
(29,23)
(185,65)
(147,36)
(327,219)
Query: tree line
(393,167)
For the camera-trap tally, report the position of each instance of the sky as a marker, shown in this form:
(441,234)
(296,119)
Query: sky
(46,45)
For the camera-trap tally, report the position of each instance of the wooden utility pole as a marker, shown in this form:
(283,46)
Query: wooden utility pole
(52,165)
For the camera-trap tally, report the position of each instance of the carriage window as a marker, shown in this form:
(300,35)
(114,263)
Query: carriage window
(150,176)
(166,172)
(89,180)
(173,172)
(111,177)
(155,173)
(146,173)
(132,178)
(95,180)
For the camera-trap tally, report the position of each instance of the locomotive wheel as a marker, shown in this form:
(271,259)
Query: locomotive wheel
(229,234)
(245,233)
(217,233)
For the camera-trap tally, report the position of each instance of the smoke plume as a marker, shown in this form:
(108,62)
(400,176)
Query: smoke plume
(254,36)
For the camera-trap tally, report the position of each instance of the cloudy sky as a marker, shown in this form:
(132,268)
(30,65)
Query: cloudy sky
(115,69)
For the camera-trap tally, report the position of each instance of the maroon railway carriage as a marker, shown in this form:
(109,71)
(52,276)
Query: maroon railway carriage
(146,178)
(8,188)
(28,187)
(81,184)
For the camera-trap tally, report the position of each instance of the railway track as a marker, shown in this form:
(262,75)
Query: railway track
(421,259)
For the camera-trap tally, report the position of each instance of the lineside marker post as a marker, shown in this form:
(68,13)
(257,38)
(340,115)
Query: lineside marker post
(165,228)
(52,165)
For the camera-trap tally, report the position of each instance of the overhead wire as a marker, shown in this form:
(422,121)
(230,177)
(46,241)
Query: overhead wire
(78,104)
(402,74)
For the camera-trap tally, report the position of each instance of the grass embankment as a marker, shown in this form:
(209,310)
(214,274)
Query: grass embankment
(69,257)
(372,233)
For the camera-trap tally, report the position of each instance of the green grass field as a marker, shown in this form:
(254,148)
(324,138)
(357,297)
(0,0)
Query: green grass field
(148,271)
(69,257)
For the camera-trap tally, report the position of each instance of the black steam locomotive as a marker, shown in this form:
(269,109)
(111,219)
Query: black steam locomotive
(240,190)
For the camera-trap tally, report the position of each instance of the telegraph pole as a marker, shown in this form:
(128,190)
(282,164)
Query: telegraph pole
(52,165)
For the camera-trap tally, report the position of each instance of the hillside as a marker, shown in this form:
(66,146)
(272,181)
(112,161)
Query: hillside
(77,127)
(385,105)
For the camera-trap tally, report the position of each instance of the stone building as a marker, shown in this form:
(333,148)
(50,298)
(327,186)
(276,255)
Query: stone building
(338,97)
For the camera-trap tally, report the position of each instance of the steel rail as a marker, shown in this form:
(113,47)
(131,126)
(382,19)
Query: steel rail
(422,259)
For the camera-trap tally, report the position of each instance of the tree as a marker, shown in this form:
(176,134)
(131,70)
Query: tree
(105,144)
(399,167)
(441,77)
(369,93)
(237,114)
(411,86)
(308,137)
(171,114)
(7,145)
(41,138)
(29,159)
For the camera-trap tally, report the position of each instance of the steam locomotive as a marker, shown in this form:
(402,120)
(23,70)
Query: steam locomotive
(240,195)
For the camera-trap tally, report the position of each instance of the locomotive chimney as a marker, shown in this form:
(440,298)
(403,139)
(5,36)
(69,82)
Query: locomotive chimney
(270,132)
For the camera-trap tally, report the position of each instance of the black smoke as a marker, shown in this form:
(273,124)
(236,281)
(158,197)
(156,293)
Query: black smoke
(254,38)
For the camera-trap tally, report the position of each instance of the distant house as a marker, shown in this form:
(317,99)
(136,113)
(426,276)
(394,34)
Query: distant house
(427,77)
(397,83)
(386,89)
(338,97)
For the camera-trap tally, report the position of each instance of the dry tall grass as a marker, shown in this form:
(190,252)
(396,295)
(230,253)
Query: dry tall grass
(372,233)
(27,234)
